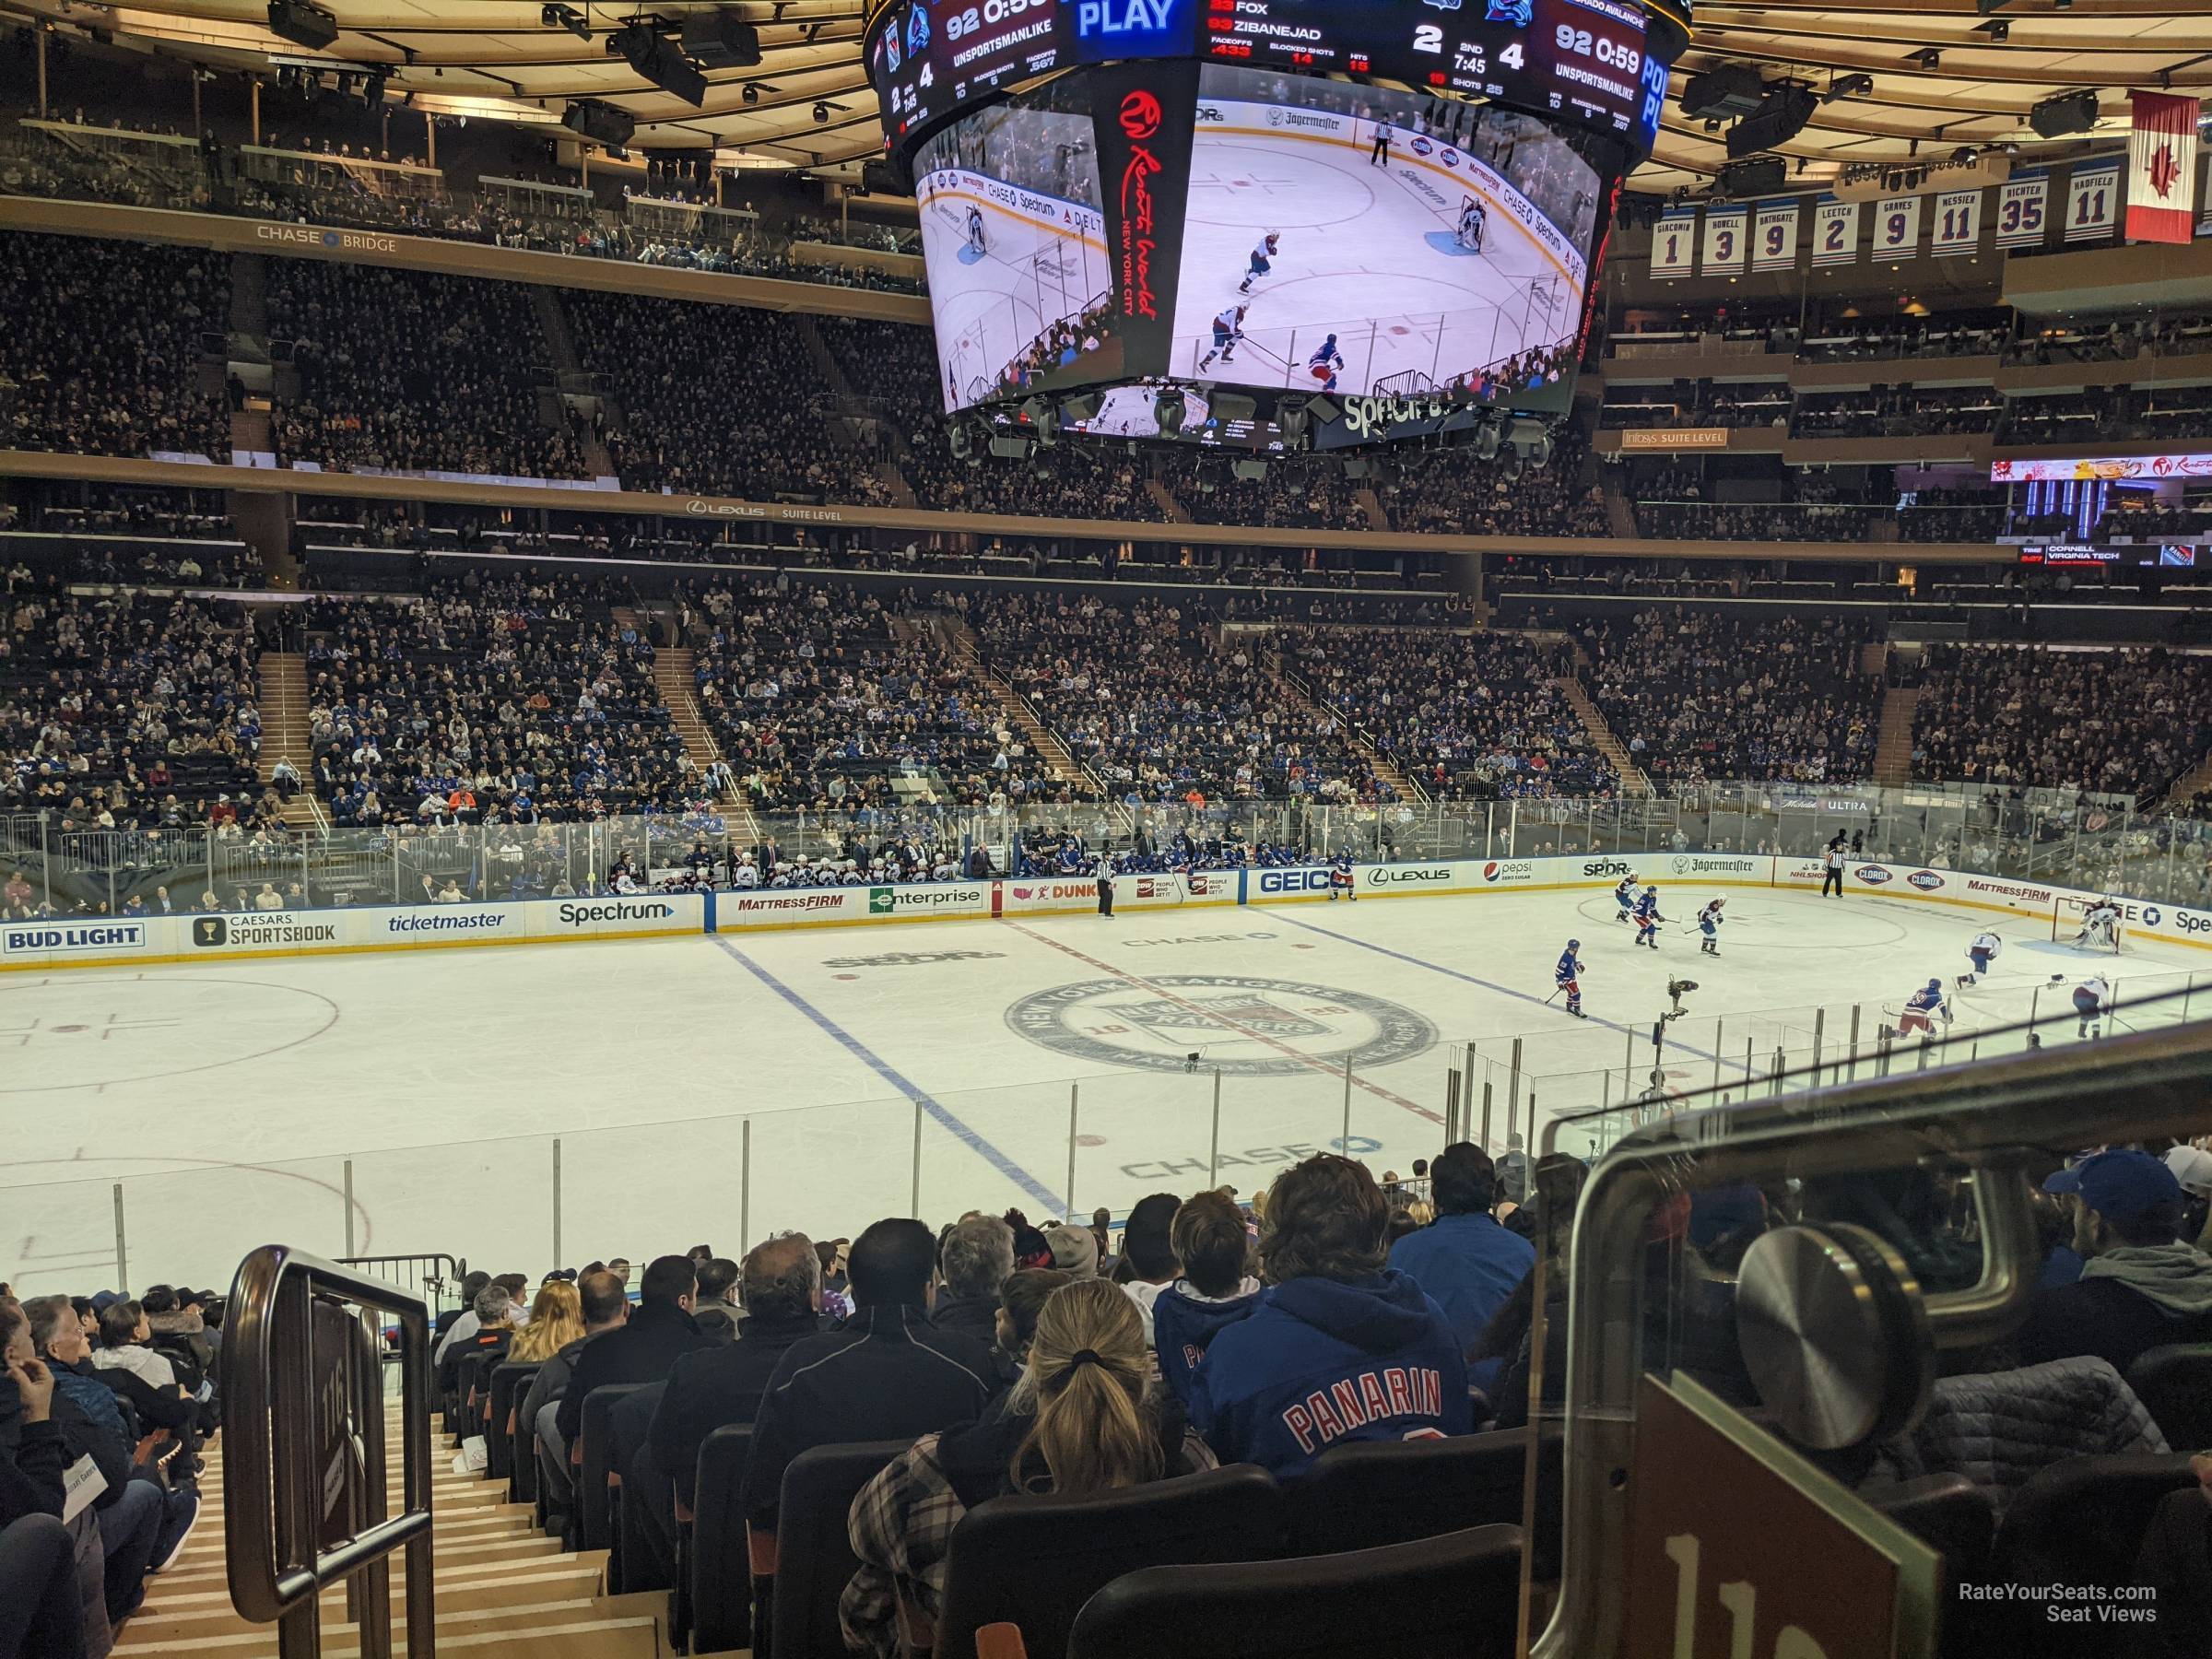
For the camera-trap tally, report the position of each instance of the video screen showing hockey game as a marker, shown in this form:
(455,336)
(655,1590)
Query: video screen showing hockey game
(1339,241)
(1015,242)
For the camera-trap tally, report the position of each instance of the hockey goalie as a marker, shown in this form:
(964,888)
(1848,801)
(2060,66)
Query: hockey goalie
(1472,220)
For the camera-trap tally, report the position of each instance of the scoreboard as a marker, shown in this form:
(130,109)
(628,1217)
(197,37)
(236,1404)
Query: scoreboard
(1579,61)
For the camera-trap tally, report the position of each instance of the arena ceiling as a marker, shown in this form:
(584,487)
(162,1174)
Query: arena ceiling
(1945,74)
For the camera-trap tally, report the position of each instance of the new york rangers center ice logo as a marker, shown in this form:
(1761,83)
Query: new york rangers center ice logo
(1244,1026)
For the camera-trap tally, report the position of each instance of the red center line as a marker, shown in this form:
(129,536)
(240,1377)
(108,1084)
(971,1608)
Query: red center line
(1208,1015)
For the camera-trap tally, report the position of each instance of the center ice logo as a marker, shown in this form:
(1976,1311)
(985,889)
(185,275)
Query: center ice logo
(1244,1026)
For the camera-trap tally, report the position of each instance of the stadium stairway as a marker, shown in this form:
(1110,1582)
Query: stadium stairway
(284,735)
(959,638)
(1164,499)
(504,1591)
(249,297)
(1370,504)
(568,373)
(1633,780)
(2196,780)
(1385,769)
(1893,752)
(674,674)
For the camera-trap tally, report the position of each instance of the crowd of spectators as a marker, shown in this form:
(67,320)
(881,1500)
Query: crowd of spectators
(1455,494)
(412,372)
(1954,513)
(716,400)
(510,701)
(101,344)
(2120,721)
(1902,411)
(1698,696)
(1705,403)
(1302,494)
(1462,715)
(129,712)
(1160,709)
(827,703)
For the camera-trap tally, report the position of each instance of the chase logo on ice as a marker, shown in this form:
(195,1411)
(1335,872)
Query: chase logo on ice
(47,938)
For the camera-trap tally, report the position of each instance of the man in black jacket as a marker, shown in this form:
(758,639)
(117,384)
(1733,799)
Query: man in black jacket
(645,1348)
(884,1375)
(40,1608)
(722,1385)
(2142,1286)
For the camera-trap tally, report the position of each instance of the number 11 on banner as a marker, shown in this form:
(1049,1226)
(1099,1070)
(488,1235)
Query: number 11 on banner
(1673,245)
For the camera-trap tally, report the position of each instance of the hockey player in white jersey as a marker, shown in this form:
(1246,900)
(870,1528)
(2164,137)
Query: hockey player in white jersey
(1624,894)
(1474,219)
(2100,926)
(2092,1003)
(1262,260)
(1981,953)
(1326,364)
(1228,328)
(1709,925)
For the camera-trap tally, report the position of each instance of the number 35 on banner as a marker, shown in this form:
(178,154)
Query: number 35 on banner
(1897,228)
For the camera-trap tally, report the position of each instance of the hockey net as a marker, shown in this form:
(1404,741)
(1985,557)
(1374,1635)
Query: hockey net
(2070,928)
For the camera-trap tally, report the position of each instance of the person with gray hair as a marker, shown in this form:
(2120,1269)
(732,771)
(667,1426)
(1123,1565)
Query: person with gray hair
(722,1385)
(974,1258)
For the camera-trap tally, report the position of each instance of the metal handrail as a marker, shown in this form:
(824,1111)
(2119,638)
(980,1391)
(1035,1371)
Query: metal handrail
(304,1478)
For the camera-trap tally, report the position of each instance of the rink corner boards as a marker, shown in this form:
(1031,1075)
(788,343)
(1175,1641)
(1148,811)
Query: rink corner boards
(141,941)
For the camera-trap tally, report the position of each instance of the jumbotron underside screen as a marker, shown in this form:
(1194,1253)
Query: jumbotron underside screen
(1335,242)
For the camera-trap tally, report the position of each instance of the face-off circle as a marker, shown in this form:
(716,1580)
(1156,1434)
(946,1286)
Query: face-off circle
(88,1031)
(1256,1028)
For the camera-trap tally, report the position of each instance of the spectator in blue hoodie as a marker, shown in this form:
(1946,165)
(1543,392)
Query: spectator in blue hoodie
(1207,1237)
(1465,1259)
(1339,1348)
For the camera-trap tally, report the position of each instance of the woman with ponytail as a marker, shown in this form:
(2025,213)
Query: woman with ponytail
(1079,1423)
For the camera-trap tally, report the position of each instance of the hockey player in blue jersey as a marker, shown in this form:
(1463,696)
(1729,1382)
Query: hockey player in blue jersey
(1922,1009)
(1647,918)
(1228,328)
(1262,260)
(1624,894)
(1325,364)
(1340,878)
(1568,977)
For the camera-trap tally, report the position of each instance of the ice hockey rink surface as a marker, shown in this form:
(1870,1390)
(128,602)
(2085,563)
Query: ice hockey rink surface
(1368,253)
(1029,275)
(226,1101)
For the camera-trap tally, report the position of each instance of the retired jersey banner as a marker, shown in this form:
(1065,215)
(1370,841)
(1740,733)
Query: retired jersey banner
(1723,241)
(2093,202)
(2020,207)
(1674,244)
(1897,226)
(1835,233)
(1957,222)
(1774,237)
(2162,168)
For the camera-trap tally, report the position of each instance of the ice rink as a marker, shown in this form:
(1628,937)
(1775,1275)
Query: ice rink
(1368,253)
(991,306)
(226,1101)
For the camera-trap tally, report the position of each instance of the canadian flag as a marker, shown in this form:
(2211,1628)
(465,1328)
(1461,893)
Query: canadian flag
(2162,168)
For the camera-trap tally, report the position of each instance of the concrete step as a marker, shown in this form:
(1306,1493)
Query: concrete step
(192,1610)
(562,1628)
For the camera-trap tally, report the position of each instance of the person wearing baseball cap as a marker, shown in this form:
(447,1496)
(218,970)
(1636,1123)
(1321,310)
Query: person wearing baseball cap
(2140,1287)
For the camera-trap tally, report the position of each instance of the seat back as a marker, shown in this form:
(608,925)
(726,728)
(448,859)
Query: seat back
(594,1518)
(1451,1597)
(813,1552)
(2175,1382)
(1033,1561)
(2080,1520)
(716,1572)
(1364,1494)
(1959,1520)
(511,1381)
